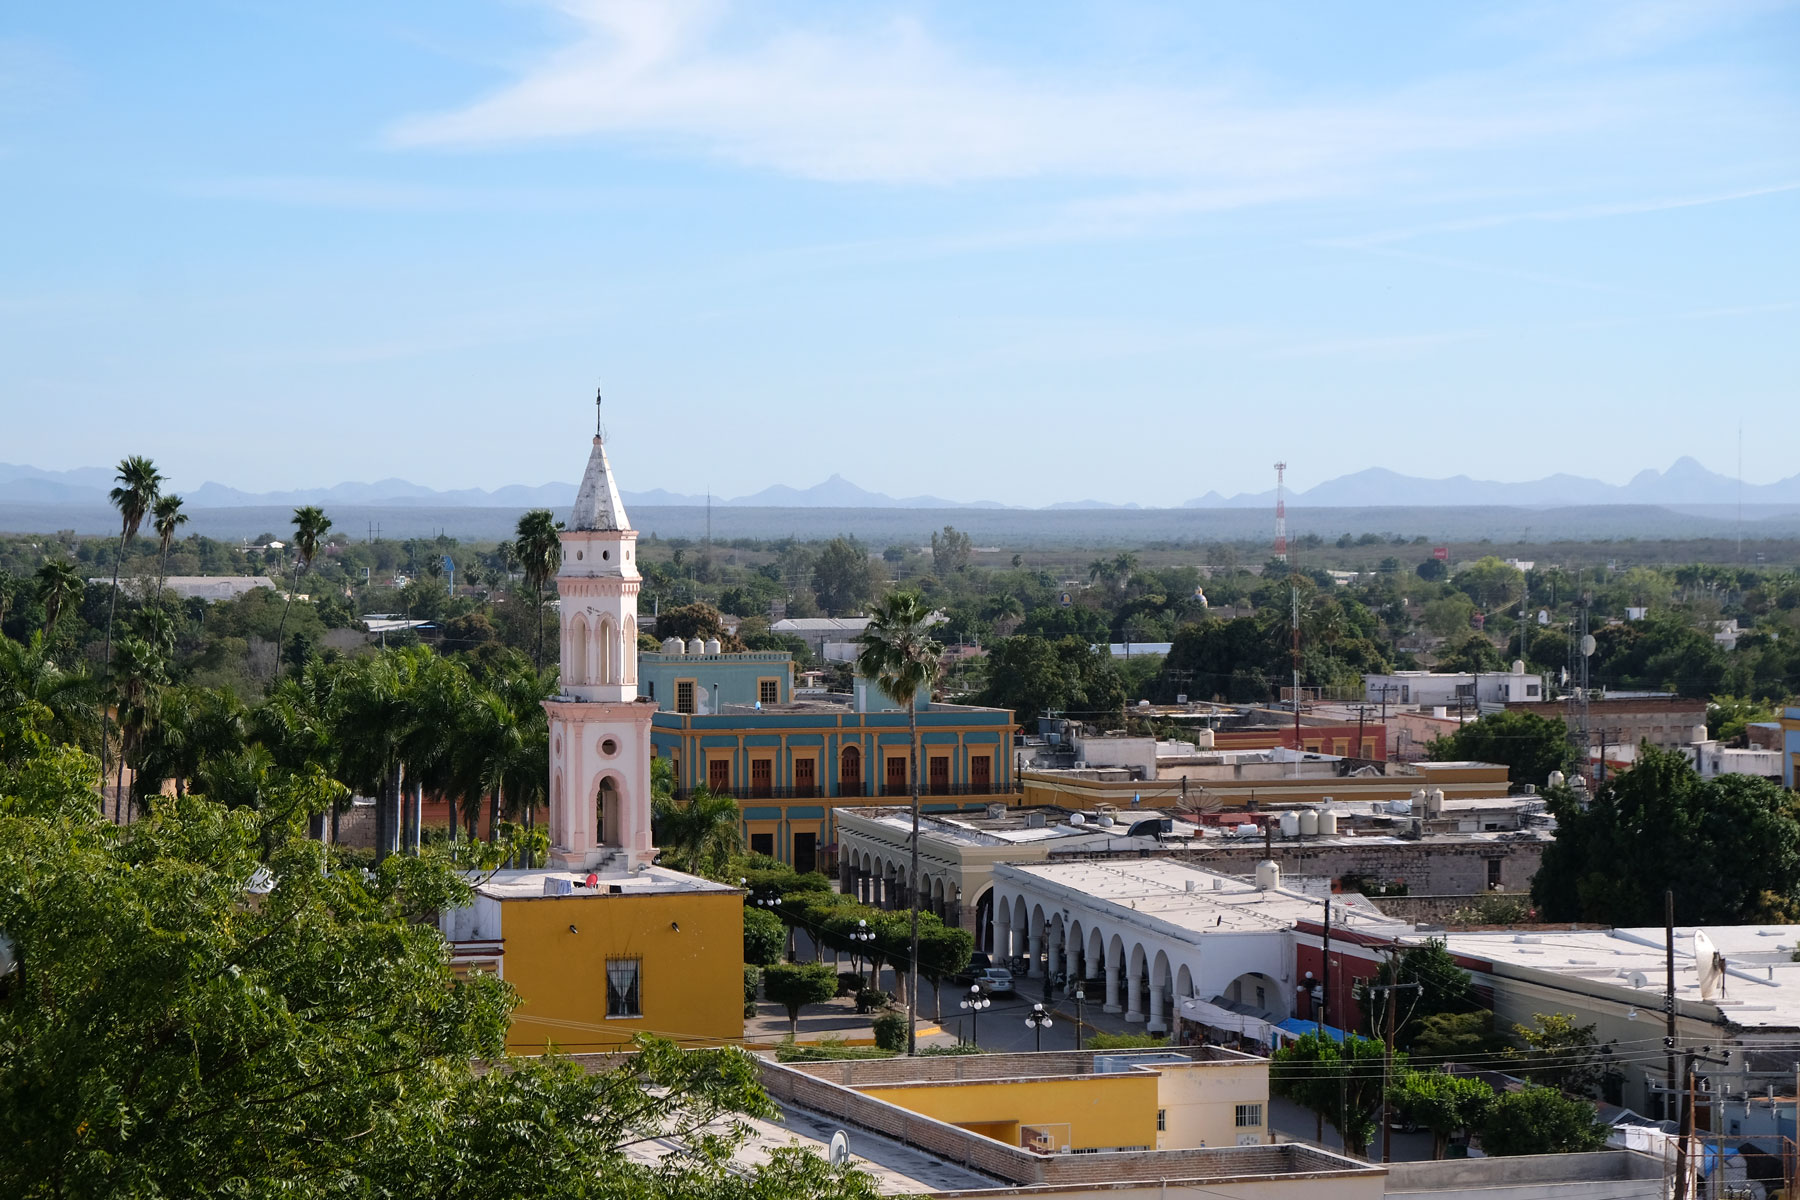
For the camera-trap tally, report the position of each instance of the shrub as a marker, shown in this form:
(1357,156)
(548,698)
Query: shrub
(1125,1041)
(890,1031)
(825,1051)
(850,983)
(1493,910)
(752,981)
(941,1051)
(1541,1120)
(870,999)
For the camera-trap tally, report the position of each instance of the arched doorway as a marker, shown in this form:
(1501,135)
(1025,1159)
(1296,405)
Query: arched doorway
(850,772)
(607,817)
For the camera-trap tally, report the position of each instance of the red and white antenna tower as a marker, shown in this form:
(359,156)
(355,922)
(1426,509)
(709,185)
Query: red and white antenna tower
(1280,512)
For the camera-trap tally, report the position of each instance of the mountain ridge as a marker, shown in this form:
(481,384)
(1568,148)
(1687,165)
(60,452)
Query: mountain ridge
(1685,482)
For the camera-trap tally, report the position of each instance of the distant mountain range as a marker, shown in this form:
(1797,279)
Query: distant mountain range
(1684,483)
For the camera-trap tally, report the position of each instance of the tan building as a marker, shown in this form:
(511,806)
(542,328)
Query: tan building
(1261,779)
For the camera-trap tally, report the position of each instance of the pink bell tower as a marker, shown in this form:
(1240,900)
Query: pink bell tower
(599,730)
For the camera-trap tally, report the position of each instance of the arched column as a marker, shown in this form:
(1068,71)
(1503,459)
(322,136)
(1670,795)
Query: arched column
(1134,971)
(1034,945)
(1114,968)
(1159,971)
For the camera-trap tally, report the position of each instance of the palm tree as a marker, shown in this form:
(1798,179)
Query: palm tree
(58,583)
(310,524)
(540,556)
(30,678)
(144,673)
(139,484)
(167,518)
(899,655)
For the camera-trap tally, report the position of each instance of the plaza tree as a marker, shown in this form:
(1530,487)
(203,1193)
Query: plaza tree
(1340,1081)
(1541,1120)
(795,985)
(1443,1103)
(900,657)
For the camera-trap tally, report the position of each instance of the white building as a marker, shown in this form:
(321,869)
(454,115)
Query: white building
(1448,689)
(1149,934)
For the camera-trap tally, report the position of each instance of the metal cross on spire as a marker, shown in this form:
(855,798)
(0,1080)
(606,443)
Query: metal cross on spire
(599,429)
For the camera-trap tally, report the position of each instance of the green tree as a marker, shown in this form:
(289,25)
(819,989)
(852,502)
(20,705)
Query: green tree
(166,1038)
(1559,1053)
(1443,1103)
(1729,848)
(1473,653)
(900,657)
(310,524)
(539,550)
(764,937)
(795,985)
(166,518)
(950,551)
(1032,676)
(943,951)
(842,579)
(698,620)
(1541,1120)
(1431,984)
(1432,570)
(1528,745)
(1490,583)
(1341,1081)
(35,689)
(138,483)
(1449,615)
(1465,1037)
(1728,717)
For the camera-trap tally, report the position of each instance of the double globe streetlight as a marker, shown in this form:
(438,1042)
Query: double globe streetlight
(974,1004)
(861,936)
(1038,1020)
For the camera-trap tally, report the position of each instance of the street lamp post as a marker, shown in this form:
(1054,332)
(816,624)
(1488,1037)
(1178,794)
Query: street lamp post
(974,1004)
(1080,996)
(1038,1020)
(861,935)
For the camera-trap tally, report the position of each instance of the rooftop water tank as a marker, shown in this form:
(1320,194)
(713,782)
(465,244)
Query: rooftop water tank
(712,645)
(696,646)
(1290,824)
(1327,823)
(1418,800)
(674,645)
(1557,779)
(1268,876)
(1309,822)
(1434,802)
(1518,666)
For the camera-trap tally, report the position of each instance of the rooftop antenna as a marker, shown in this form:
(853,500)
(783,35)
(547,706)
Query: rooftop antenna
(1280,512)
(1740,493)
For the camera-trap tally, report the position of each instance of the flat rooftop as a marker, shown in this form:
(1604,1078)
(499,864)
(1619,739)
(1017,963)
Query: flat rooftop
(1194,900)
(1762,982)
(653,881)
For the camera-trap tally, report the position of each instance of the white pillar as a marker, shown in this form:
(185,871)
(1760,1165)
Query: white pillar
(1053,951)
(1034,946)
(1133,997)
(1112,983)
(1156,1024)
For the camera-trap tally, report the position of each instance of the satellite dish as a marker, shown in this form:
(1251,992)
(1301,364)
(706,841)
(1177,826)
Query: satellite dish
(1587,645)
(1078,819)
(1709,964)
(840,1149)
(1638,979)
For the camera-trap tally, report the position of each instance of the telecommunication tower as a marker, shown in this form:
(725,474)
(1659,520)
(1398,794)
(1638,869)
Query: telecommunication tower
(1280,512)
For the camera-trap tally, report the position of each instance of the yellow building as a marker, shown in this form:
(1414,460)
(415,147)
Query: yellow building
(1126,1100)
(595,967)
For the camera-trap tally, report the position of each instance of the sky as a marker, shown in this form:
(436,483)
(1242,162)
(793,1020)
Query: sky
(1024,252)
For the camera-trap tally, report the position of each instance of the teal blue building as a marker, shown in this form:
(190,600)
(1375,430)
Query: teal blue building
(707,681)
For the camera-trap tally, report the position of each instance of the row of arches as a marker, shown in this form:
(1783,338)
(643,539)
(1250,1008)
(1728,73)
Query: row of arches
(882,883)
(600,654)
(1131,975)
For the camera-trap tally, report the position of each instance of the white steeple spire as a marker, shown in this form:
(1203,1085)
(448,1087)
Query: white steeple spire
(597,504)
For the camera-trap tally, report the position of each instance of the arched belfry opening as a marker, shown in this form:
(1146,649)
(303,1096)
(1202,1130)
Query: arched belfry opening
(608,816)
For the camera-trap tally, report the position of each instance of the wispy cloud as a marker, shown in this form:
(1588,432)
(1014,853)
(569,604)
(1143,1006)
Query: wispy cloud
(1557,215)
(892,103)
(387,195)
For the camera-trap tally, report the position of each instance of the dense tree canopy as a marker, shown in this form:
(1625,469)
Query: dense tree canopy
(1728,847)
(1530,746)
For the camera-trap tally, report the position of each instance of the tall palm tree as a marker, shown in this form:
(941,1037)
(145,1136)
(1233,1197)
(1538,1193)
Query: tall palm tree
(540,557)
(167,518)
(139,484)
(58,584)
(310,524)
(900,656)
(144,673)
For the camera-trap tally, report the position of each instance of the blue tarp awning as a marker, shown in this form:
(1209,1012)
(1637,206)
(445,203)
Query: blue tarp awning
(1295,1027)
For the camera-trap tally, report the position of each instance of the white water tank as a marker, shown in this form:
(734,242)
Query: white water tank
(1290,824)
(1434,802)
(1327,823)
(674,645)
(1557,779)
(1418,800)
(1268,876)
(1309,822)
(696,647)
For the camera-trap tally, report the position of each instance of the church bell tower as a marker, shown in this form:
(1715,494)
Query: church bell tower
(599,732)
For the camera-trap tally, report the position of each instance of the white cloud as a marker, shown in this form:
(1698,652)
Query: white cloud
(891,103)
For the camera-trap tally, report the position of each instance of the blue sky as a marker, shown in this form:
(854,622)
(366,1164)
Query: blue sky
(1026,252)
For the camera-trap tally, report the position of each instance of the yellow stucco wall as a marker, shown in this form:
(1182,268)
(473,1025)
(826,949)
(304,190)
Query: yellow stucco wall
(1200,1103)
(1096,1110)
(691,981)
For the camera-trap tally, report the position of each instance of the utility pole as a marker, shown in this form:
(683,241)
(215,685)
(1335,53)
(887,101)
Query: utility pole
(1294,594)
(1669,995)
